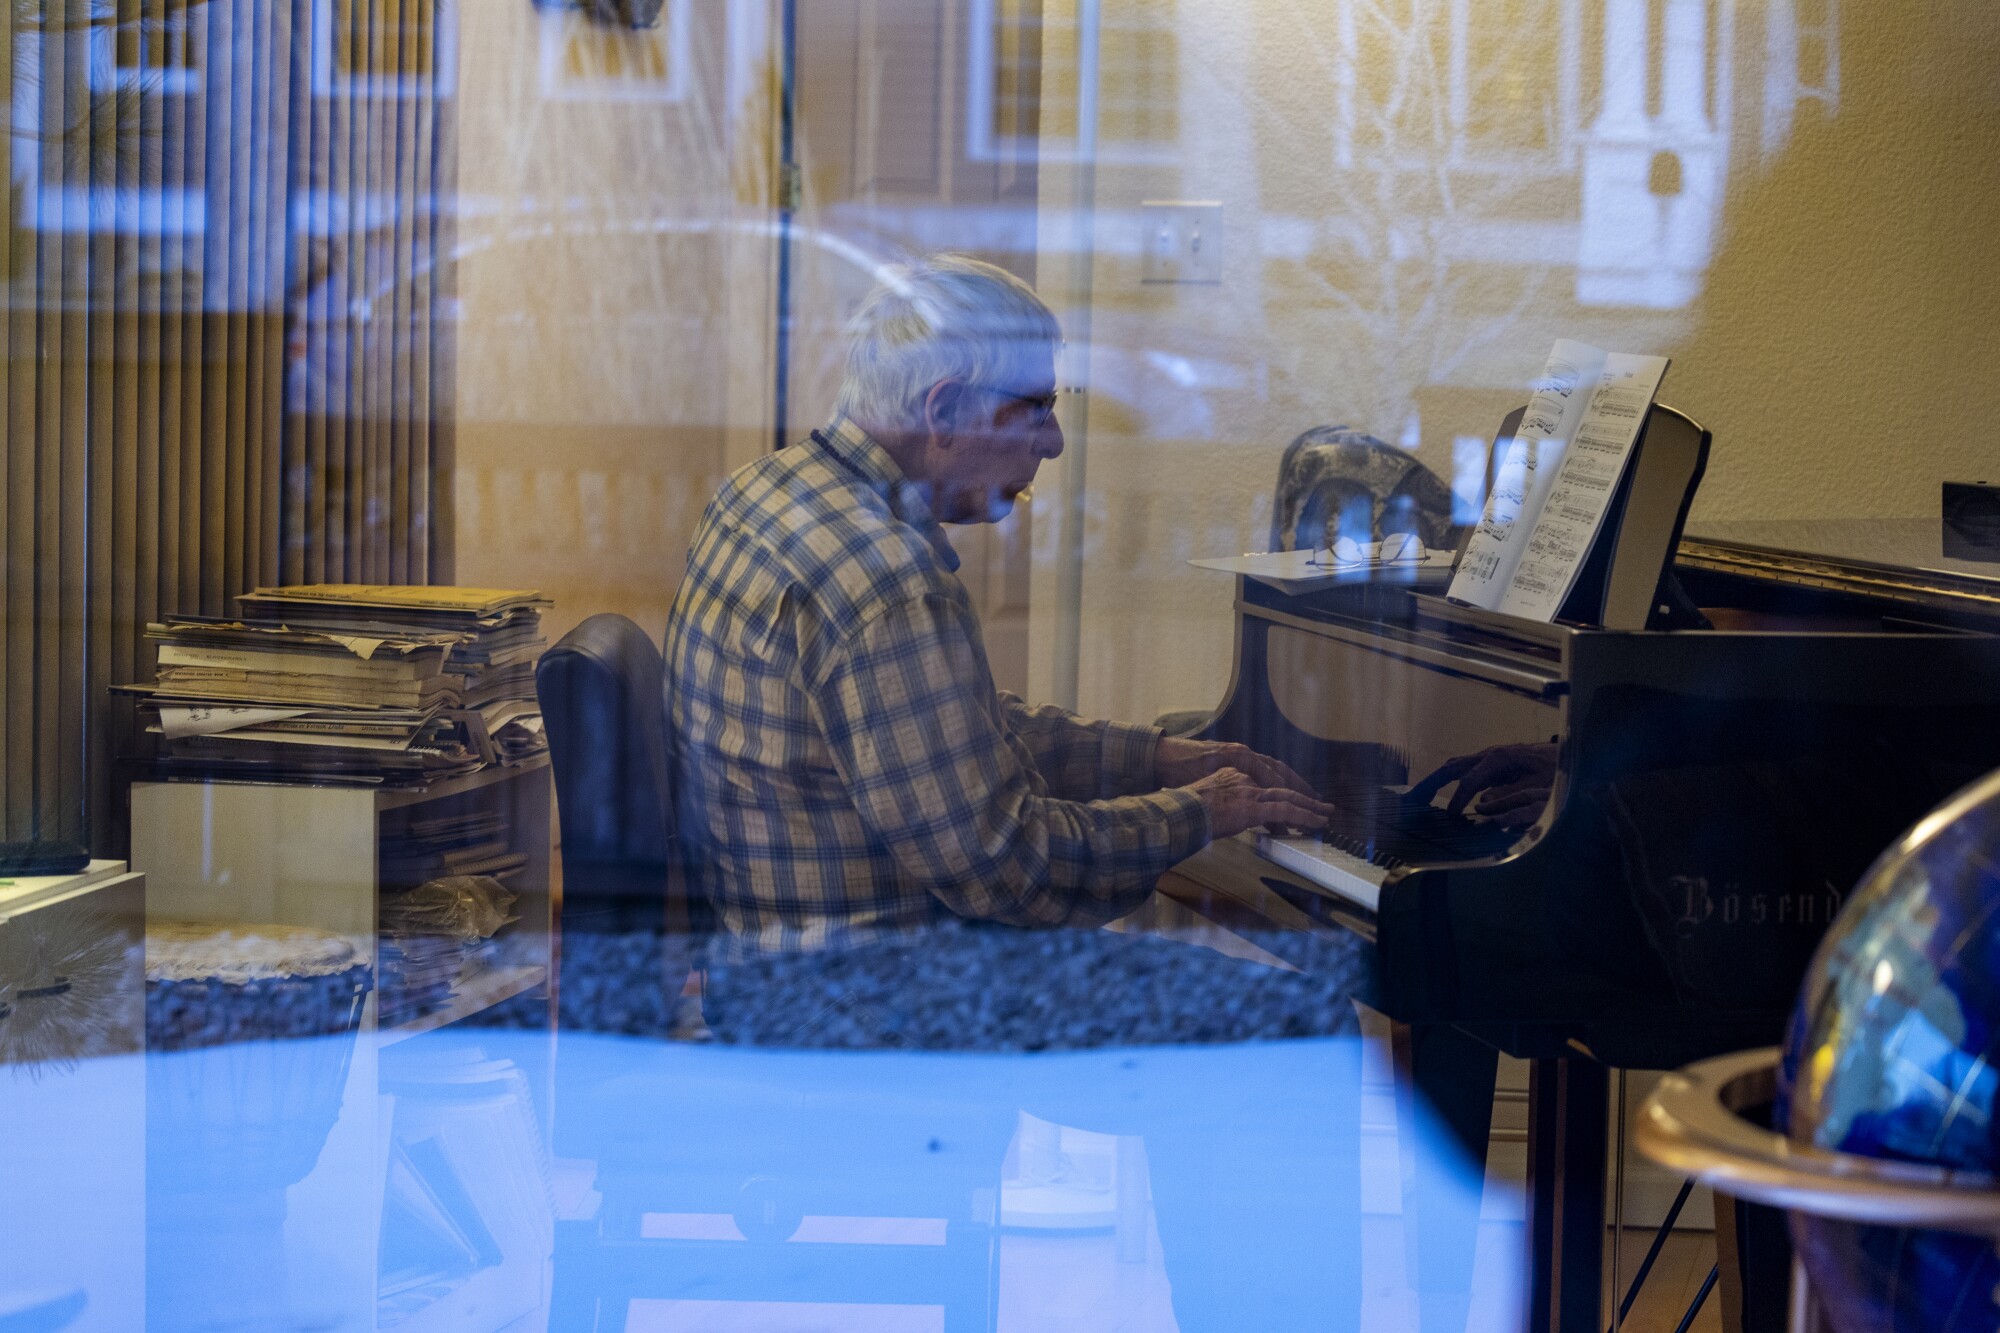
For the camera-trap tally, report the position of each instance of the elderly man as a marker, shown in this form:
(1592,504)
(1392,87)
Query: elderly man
(851,773)
(887,839)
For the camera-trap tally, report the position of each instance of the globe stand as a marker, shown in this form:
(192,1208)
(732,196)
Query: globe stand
(1694,1124)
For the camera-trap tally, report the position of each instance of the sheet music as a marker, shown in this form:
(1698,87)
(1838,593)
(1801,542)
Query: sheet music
(1588,474)
(1522,479)
(1556,479)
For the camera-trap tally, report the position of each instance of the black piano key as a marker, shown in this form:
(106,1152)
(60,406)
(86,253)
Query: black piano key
(1375,824)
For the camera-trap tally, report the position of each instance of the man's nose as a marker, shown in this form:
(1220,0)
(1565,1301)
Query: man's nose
(1050,443)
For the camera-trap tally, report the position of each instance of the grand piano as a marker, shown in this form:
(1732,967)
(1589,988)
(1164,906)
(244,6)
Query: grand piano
(1795,695)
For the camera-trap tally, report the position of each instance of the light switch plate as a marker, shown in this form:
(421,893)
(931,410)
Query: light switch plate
(1183,241)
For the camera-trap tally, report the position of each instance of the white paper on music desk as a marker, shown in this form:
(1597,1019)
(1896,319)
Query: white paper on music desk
(1527,467)
(1573,509)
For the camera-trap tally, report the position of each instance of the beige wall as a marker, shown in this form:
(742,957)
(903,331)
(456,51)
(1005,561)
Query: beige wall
(604,349)
(1844,354)
(1836,339)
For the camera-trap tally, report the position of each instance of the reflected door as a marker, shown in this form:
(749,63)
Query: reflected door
(914,127)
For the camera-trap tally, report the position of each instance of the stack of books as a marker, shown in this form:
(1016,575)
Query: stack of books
(348,683)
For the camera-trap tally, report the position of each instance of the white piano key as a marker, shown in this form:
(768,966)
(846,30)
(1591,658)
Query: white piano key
(1348,875)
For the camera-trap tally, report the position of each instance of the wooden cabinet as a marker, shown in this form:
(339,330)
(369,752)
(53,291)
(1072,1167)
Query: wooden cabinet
(256,853)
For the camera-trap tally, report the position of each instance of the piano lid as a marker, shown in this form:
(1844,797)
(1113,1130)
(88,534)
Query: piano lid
(1900,559)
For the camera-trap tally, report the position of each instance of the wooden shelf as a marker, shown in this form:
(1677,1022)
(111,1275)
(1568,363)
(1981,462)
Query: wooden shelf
(483,990)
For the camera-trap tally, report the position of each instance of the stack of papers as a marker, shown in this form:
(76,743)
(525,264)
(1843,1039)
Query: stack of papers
(433,938)
(416,975)
(348,683)
(435,847)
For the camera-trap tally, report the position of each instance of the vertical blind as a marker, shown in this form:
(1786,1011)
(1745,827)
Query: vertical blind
(227,361)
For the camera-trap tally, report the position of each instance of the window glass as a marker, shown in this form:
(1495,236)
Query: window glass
(967,663)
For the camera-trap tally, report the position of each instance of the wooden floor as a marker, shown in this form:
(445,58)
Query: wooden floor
(1671,1286)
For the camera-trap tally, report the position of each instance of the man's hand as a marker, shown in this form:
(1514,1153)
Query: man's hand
(1237,802)
(1178,762)
(1508,784)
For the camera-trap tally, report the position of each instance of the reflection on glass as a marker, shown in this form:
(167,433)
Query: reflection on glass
(840,865)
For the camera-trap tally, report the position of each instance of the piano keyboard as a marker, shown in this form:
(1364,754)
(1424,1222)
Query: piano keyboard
(1374,830)
(1350,876)
(1380,824)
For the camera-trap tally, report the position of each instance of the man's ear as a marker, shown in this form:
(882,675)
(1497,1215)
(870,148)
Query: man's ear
(944,409)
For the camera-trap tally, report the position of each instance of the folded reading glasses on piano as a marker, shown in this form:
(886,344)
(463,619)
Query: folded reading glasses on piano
(1396,548)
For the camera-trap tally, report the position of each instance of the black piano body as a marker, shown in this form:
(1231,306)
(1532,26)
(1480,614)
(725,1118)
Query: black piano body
(1717,793)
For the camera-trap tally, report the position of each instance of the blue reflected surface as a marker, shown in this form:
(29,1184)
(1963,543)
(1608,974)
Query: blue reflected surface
(488,1178)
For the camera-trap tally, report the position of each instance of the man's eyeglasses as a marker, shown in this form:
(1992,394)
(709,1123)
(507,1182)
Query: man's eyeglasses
(1044,404)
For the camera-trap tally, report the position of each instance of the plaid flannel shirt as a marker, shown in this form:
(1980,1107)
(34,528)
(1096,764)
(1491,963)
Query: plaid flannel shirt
(847,769)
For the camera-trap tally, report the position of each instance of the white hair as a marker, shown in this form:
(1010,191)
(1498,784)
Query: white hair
(945,317)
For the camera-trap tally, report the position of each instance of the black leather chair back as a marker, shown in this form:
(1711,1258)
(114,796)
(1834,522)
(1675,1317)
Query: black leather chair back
(602,706)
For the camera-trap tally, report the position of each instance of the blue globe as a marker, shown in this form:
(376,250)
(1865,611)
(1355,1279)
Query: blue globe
(1892,1053)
